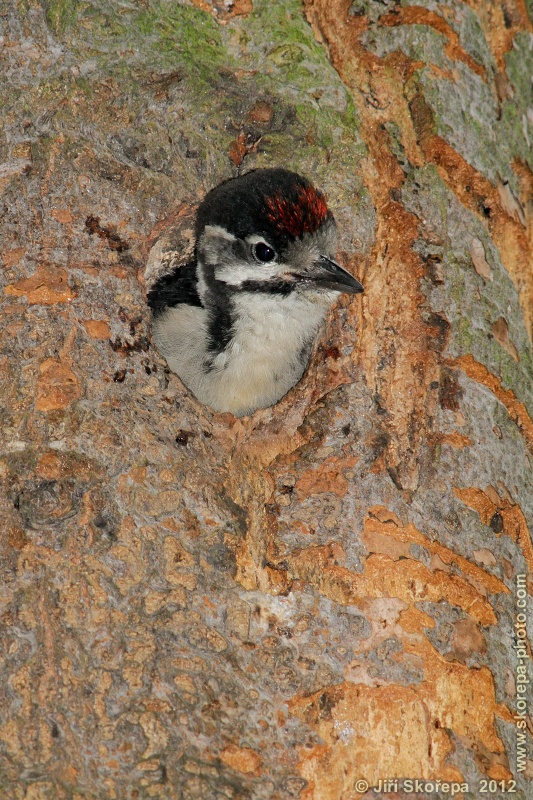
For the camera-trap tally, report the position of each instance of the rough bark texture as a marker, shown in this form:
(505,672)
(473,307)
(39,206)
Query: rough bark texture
(201,607)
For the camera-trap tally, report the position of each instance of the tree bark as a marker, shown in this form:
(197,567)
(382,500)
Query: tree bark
(327,594)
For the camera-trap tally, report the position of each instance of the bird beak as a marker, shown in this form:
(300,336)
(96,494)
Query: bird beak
(330,275)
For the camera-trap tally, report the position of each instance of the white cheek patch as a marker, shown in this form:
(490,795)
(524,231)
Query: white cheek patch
(237,273)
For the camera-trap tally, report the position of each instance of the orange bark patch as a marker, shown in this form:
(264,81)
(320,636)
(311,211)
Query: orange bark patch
(392,571)
(417,15)
(50,466)
(369,733)
(466,639)
(500,329)
(372,732)
(326,477)
(224,12)
(408,364)
(54,465)
(516,410)
(504,223)
(57,386)
(261,113)
(237,149)
(11,257)
(485,556)
(46,287)
(405,579)
(62,215)
(97,329)
(242,759)
(501,515)
(455,439)
(501,22)
(406,349)
(369,78)
(118,272)
(377,521)
(478,256)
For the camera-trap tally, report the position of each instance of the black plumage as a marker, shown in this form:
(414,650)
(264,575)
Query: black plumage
(255,195)
(178,286)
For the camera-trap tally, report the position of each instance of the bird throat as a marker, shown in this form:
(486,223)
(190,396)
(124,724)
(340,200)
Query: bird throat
(268,341)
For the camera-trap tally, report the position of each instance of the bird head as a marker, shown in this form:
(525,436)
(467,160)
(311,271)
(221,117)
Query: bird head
(269,231)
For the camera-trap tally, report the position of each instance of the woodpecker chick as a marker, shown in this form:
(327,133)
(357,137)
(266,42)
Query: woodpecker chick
(237,324)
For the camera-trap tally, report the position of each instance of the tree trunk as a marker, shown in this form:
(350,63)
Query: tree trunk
(330,593)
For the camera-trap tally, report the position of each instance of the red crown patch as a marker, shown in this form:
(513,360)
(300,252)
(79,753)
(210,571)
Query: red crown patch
(305,215)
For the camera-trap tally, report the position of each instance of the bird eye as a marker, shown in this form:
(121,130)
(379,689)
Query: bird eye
(263,252)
